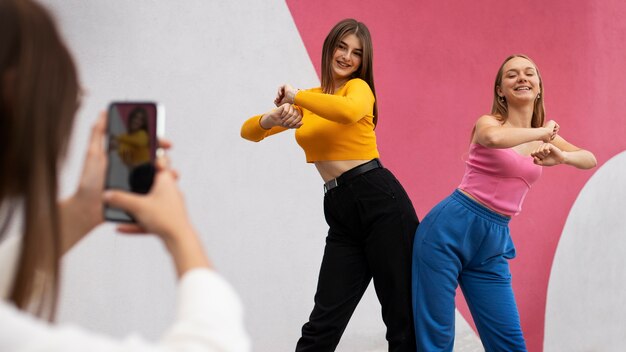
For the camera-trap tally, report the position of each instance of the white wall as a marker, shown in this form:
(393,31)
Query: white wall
(258,206)
(586,306)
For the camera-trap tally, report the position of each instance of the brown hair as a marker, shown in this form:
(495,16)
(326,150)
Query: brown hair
(135,113)
(365,71)
(499,106)
(39,90)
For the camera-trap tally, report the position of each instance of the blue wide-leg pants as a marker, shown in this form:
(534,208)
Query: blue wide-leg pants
(462,242)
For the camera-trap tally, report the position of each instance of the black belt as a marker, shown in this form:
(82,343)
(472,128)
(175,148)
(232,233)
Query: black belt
(354,172)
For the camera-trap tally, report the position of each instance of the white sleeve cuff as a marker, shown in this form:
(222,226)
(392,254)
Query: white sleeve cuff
(209,311)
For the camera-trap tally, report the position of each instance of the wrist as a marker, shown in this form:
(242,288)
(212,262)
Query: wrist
(546,134)
(187,252)
(263,122)
(292,96)
(566,159)
(176,235)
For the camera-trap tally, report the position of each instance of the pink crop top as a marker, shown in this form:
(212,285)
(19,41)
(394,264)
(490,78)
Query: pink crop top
(499,178)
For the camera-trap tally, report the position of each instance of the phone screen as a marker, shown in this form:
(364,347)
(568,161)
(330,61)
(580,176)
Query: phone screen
(132,129)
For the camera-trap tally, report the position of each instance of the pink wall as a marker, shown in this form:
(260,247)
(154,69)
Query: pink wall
(435,62)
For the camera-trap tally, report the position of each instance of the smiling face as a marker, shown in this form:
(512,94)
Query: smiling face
(520,81)
(138,120)
(346,59)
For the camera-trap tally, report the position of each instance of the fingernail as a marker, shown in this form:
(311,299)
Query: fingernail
(107,195)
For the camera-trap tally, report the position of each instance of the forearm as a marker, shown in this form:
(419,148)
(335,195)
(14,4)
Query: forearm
(76,222)
(582,159)
(503,137)
(340,109)
(252,129)
(187,252)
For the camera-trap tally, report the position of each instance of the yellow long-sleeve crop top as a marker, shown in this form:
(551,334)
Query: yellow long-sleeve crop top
(336,126)
(134,148)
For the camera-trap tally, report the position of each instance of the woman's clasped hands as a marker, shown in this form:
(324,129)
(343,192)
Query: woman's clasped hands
(547,154)
(285,114)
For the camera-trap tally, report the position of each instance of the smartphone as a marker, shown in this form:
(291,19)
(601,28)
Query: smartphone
(133,131)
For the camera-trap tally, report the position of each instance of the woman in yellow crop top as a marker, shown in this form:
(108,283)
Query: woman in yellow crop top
(133,147)
(372,221)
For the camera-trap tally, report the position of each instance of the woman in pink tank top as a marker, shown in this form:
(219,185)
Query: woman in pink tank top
(465,240)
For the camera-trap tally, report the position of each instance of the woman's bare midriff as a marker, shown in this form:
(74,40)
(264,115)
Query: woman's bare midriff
(483,204)
(330,169)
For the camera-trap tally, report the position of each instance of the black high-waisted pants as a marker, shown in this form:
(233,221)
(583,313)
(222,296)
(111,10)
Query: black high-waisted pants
(372,224)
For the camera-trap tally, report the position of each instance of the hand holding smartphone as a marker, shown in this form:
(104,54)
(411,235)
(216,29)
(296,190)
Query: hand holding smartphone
(133,129)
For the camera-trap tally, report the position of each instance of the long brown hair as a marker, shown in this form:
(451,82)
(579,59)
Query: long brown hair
(38,100)
(499,107)
(365,71)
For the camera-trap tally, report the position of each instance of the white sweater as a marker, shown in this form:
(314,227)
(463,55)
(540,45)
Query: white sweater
(209,317)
